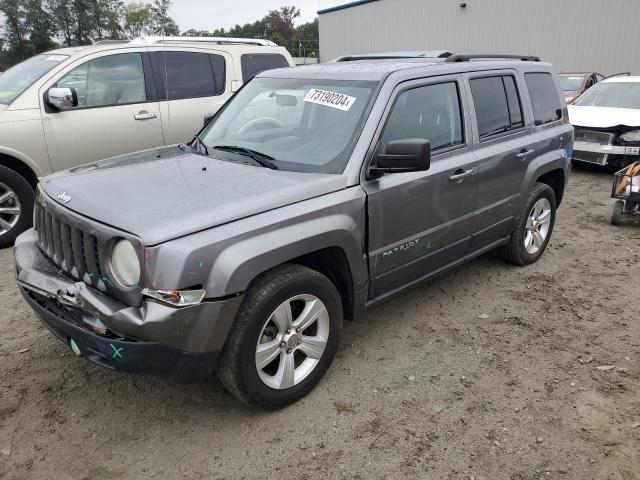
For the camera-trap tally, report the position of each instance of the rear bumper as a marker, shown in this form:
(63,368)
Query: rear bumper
(152,338)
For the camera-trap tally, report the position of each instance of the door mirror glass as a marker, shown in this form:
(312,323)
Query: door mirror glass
(406,155)
(62,98)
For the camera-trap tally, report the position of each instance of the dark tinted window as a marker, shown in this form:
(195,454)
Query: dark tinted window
(515,107)
(544,98)
(256,63)
(492,109)
(189,74)
(431,112)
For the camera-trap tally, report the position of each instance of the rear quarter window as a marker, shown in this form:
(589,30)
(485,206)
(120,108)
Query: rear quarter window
(253,64)
(544,98)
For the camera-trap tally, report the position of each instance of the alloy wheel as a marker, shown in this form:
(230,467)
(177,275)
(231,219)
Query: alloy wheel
(10,209)
(538,226)
(292,341)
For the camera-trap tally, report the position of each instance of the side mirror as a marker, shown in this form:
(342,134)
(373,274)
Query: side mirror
(406,155)
(61,98)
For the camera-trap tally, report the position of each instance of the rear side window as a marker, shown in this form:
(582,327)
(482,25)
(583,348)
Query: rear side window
(513,99)
(544,98)
(253,64)
(189,74)
(492,108)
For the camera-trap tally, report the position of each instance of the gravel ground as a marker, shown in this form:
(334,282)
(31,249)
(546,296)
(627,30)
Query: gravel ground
(491,372)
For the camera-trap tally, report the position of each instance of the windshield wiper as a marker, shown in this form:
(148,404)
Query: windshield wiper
(258,157)
(199,146)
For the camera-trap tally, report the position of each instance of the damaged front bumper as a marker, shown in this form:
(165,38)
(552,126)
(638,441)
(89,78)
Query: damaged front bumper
(153,338)
(601,153)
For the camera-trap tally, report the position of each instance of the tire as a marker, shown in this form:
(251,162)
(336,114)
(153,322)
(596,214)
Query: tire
(268,387)
(616,215)
(17,193)
(518,250)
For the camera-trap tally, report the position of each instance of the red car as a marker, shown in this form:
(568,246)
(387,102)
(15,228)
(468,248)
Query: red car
(575,84)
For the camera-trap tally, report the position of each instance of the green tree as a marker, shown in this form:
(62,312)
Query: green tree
(15,29)
(163,24)
(138,19)
(64,20)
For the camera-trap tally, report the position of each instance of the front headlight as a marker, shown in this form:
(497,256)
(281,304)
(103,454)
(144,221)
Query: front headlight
(125,263)
(632,137)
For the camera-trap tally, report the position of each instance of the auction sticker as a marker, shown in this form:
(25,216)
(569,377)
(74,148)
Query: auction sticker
(56,58)
(330,99)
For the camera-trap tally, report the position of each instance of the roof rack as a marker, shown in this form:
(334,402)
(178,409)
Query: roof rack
(394,55)
(468,58)
(147,40)
(110,42)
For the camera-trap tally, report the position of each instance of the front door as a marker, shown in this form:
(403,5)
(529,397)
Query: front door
(116,113)
(421,222)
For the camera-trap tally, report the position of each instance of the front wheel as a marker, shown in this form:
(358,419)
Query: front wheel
(533,230)
(284,338)
(16,206)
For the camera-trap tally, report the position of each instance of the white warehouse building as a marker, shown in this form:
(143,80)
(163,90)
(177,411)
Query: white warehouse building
(573,35)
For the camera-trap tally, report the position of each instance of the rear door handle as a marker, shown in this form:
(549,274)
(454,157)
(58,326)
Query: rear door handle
(460,175)
(145,115)
(524,154)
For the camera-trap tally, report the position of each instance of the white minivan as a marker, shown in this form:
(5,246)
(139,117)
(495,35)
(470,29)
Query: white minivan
(76,105)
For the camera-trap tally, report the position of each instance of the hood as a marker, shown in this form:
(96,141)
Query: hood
(603,117)
(163,194)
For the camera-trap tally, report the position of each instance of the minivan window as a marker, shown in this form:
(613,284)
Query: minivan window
(492,108)
(544,97)
(431,112)
(253,64)
(17,79)
(190,75)
(108,81)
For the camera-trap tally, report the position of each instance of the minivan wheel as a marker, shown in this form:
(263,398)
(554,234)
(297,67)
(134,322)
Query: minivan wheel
(533,230)
(284,338)
(16,206)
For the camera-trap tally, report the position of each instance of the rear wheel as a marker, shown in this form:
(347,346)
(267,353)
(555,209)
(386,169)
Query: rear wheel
(16,206)
(533,230)
(284,339)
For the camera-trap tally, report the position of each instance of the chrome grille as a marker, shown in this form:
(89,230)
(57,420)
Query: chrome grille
(590,136)
(73,250)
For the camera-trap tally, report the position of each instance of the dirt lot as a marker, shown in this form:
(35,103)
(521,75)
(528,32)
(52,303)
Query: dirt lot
(489,373)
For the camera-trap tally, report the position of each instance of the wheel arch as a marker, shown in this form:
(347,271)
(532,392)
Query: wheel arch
(556,180)
(20,166)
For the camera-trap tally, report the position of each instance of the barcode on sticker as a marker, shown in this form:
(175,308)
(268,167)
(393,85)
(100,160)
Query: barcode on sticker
(330,99)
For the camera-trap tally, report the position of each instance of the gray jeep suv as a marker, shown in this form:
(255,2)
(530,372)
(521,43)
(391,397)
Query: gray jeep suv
(311,196)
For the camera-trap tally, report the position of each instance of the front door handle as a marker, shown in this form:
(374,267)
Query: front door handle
(460,174)
(144,115)
(524,154)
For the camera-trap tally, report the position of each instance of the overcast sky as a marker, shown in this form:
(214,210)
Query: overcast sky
(212,14)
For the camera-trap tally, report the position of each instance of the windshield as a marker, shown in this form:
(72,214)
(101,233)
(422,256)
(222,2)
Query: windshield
(571,83)
(17,79)
(612,94)
(302,125)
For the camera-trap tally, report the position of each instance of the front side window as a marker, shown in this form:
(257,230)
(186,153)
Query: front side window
(17,79)
(544,98)
(108,81)
(301,124)
(431,112)
(253,64)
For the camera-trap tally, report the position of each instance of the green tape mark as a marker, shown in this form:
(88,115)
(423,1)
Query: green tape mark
(117,352)
(106,279)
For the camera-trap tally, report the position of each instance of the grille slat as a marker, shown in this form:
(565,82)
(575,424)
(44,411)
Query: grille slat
(73,250)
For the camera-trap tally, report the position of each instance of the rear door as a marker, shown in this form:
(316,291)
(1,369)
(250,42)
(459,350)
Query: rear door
(117,110)
(191,84)
(422,221)
(502,149)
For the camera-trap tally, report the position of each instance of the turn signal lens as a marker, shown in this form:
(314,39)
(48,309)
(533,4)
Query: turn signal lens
(176,298)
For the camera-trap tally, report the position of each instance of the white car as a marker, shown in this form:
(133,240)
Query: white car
(607,123)
(80,104)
